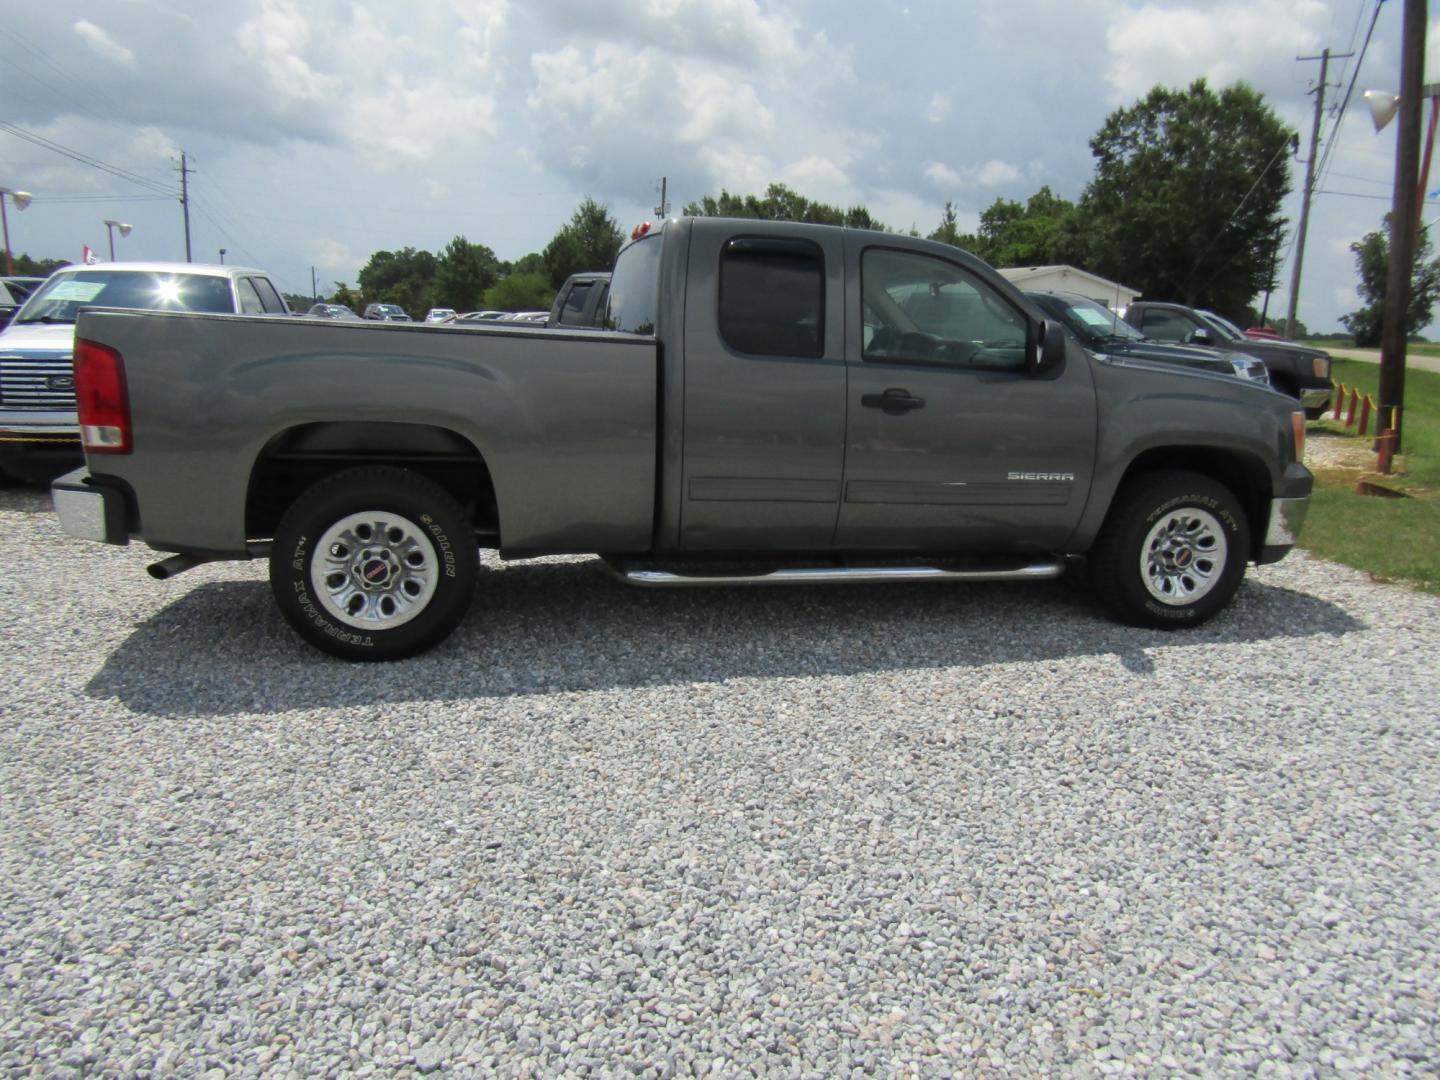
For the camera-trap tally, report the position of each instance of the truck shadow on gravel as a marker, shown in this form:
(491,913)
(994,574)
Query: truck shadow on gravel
(222,648)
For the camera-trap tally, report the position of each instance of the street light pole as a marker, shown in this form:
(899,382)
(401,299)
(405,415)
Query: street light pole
(21,200)
(222,256)
(110,227)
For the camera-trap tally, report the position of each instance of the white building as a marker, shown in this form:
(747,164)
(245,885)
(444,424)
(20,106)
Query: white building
(1072,280)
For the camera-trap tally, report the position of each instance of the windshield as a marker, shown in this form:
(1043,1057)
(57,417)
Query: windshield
(66,292)
(1226,328)
(1094,321)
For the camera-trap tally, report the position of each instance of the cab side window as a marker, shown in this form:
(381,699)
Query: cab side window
(269,298)
(573,313)
(772,297)
(920,309)
(250,302)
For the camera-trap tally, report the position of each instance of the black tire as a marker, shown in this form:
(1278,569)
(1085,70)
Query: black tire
(397,570)
(1172,552)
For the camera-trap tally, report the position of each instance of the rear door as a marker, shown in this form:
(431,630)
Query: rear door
(950,446)
(764,396)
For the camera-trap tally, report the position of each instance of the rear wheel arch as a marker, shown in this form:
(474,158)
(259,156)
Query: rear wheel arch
(295,459)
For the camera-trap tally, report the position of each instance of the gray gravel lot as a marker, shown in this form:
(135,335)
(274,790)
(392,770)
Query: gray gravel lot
(869,831)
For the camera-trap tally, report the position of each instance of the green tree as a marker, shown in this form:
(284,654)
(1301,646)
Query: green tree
(1372,263)
(25,266)
(463,274)
(590,241)
(528,290)
(780,203)
(399,277)
(1185,201)
(343,294)
(948,231)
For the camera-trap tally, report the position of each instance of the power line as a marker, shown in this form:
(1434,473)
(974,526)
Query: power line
(70,79)
(83,158)
(1345,101)
(99,198)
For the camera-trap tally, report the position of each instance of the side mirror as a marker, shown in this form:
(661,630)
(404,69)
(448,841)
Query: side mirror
(1046,359)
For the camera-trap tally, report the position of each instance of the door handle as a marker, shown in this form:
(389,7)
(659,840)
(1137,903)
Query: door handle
(892,402)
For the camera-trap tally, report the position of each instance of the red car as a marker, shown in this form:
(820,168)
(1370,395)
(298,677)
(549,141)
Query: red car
(1264,333)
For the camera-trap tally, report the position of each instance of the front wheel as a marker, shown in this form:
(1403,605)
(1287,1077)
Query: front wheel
(374,563)
(1172,552)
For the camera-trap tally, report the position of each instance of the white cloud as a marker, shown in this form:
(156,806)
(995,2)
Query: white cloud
(103,44)
(715,106)
(333,255)
(994,173)
(938,109)
(988,174)
(819,178)
(942,175)
(1174,44)
(367,81)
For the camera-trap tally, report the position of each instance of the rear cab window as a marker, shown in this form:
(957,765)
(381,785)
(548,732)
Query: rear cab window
(635,287)
(772,297)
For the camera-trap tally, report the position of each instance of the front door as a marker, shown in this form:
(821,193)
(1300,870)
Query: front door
(950,446)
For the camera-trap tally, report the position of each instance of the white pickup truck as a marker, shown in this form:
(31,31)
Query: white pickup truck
(39,433)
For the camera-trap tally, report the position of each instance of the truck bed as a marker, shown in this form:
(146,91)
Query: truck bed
(564,421)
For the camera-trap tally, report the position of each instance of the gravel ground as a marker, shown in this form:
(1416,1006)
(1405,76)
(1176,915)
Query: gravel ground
(973,830)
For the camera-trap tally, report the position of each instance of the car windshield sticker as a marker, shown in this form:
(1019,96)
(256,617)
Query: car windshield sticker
(1091,317)
(79,291)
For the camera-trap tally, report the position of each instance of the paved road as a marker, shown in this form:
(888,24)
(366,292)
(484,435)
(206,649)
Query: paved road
(1372,356)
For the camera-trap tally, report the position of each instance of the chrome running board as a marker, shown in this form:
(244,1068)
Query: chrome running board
(652,577)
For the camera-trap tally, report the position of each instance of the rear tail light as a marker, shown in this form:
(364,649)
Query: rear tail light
(1322,367)
(101,399)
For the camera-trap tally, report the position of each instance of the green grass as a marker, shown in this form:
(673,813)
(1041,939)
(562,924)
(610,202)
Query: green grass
(1394,539)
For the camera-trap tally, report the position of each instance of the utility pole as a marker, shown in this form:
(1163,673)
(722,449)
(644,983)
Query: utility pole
(663,210)
(185,202)
(314,290)
(1404,217)
(1309,191)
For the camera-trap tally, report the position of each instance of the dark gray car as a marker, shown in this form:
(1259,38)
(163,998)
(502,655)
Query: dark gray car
(1103,331)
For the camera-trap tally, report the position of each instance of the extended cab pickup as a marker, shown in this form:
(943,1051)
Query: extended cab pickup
(581,301)
(769,402)
(1298,370)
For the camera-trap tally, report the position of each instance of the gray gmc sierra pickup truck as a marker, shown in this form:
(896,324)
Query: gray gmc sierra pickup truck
(769,402)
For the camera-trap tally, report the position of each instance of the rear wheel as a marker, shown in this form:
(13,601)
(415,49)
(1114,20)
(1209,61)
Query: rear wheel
(374,563)
(1173,551)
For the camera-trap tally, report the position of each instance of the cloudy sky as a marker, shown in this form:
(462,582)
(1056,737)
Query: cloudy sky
(323,131)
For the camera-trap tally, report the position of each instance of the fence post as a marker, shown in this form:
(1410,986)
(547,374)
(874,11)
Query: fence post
(1365,406)
(1386,447)
(1350,412)
(1339,399)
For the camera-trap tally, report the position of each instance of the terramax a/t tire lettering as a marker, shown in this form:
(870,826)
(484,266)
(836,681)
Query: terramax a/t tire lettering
(374,563)
(1172,552)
